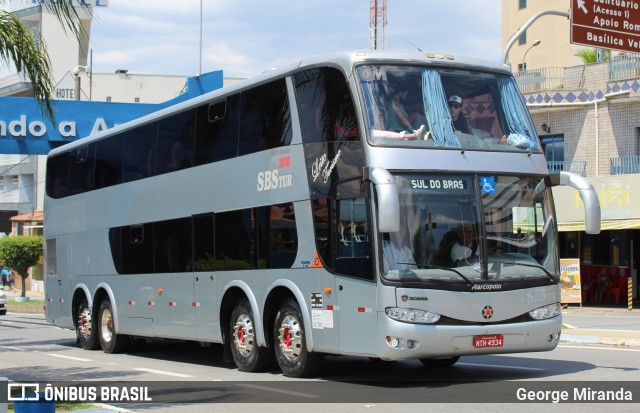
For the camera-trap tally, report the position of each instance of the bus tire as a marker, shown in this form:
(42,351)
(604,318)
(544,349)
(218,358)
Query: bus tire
(86,334)
(440,362)
(245,351)
(110,341)
(290,342)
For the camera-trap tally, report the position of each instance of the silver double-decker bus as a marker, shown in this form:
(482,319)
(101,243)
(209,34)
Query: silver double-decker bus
(384,204)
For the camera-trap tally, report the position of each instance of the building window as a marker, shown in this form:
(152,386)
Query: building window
(522,67)
(108,98)
(522,4)
(137,100)
(553,147)
(523,38)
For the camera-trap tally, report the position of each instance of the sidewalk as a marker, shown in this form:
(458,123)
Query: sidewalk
(17,292)
(620,338)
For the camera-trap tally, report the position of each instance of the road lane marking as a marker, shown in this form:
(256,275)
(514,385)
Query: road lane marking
(13,348)
(600,348)
(287,392)
(68,357)
(500,367)
(167,373)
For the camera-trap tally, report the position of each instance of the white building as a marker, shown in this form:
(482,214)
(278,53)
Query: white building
(22,176)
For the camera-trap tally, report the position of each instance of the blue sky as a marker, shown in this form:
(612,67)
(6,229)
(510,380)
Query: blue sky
(246,37)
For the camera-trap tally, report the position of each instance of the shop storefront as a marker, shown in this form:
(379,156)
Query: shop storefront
(611,256)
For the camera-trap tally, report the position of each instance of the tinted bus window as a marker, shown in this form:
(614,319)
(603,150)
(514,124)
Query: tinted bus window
(203,251)
(325,106)
(176,136)
(172,245)
(265,120)
(81,166)
(234,240)
(139,152)
(217,139)
(282,236)
(109,161)
(58,175)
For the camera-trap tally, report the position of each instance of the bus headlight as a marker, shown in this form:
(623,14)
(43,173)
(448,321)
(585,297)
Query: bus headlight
(548,311)
(410,315)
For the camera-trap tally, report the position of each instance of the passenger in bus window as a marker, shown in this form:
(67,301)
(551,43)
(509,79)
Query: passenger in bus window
(397,253)
(457,246)
(398,118)
(457,117)
(381,131)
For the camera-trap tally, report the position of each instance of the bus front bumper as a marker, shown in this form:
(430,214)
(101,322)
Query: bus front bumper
(400,341)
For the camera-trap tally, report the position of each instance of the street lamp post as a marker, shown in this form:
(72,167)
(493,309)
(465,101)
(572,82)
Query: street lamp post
(537,42)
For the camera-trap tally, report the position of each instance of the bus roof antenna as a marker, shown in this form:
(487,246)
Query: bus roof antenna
(413,45)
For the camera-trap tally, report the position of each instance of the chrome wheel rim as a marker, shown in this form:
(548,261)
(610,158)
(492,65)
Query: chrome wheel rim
(244,335)
(290,338)
(106,325)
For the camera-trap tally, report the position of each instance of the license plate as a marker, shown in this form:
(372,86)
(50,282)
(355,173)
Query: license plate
(488,341)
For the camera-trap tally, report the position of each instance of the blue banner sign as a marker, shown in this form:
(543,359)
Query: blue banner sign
(25,130)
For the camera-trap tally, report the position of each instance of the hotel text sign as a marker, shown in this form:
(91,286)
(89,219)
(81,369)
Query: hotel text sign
(606,24)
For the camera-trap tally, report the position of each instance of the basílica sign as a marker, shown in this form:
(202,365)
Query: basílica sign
(608,24)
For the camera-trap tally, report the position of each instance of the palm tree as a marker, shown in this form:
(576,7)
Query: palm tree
(26,49)
(590,55)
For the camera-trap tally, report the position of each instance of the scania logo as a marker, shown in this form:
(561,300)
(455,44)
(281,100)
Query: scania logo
(487,312)
(406,298)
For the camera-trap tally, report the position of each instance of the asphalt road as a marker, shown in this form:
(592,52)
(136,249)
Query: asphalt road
(188,378)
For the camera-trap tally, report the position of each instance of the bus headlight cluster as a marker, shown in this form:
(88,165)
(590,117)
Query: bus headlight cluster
(413,316)
(548,311)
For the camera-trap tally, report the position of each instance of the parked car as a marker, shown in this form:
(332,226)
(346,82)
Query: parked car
(3,302)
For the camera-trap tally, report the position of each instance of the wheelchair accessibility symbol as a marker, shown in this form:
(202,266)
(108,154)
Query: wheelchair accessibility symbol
(488,185)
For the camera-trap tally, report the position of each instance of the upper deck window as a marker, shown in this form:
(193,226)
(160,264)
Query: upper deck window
(445,108)
(325,106)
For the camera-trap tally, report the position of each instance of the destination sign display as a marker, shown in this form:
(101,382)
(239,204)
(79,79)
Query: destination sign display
(606,24)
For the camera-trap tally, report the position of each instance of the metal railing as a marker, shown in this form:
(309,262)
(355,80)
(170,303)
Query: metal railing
(624,67)
(624,165)
(577,167)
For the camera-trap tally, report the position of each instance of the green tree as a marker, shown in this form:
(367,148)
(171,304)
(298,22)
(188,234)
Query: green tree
(590,55)
(20,254)
(27,50)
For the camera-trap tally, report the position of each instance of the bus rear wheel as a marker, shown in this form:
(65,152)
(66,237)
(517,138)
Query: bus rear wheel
(85,331)
(110,341)
(440,362)
(290,342)
(246,352)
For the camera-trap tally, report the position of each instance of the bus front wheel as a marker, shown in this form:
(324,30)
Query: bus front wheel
(85,331)
(246,352)
(290,342)
(110,341)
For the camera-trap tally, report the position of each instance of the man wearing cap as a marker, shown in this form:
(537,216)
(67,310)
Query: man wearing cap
(459,121)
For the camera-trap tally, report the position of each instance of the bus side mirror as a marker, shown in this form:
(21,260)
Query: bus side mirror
(387,200)
(588,195)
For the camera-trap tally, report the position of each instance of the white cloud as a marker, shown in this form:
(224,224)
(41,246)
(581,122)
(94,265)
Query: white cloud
(246,37)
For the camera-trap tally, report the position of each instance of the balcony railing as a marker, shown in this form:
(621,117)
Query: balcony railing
(625,165)
(624,67)
(577,167)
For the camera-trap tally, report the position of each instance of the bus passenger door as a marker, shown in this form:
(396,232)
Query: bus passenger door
(357,317)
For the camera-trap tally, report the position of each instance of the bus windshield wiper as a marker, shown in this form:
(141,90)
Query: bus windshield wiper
(429,267)
(538,266)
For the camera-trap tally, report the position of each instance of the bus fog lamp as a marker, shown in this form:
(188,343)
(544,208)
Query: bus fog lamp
(548,311)
(412,316)
(554,337)
(393,342)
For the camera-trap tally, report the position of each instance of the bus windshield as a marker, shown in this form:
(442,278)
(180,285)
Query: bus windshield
(471,228)
(445,108)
